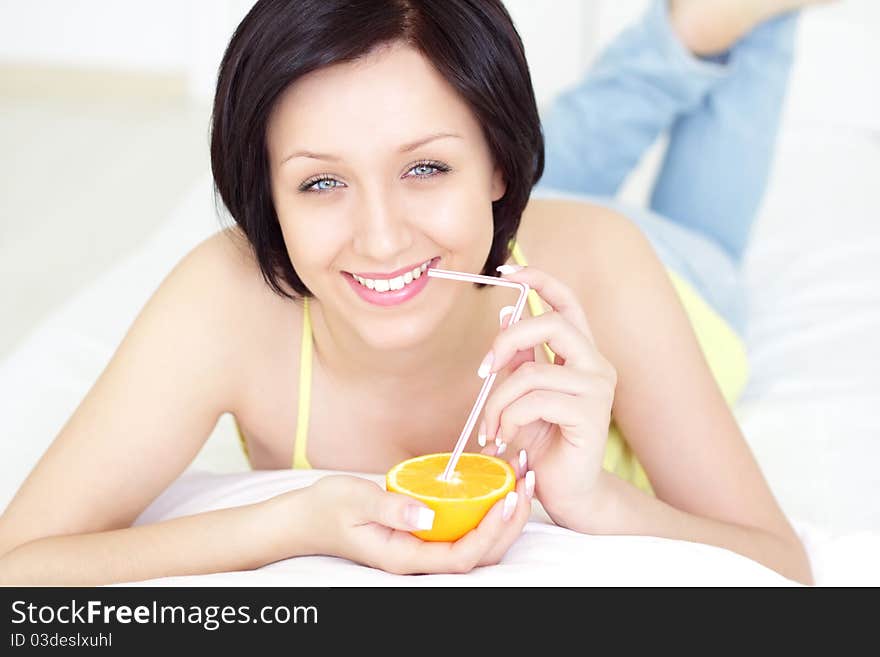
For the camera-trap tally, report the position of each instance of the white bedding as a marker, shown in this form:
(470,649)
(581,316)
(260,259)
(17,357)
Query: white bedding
(544,555)
(809,413)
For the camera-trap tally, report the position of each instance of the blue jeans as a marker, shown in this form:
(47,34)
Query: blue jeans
(722,115)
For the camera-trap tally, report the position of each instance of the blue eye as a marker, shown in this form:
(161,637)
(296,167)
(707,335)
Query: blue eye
(310,185)
(438,167)
(429,169)
(423,167)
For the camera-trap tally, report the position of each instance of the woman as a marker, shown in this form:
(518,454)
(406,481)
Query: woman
(358,143)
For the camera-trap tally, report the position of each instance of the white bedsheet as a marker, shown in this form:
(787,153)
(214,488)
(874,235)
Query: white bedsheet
(809,412)
(544,555)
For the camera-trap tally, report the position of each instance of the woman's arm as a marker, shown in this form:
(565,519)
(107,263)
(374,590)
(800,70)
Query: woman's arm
(239,538)
(621,508)
(144,420)
(667,404)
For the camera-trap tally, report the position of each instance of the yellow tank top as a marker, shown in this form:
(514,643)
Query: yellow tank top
(721,346)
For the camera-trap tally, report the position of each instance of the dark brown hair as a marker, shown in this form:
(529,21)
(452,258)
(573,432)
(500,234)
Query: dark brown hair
(472,43)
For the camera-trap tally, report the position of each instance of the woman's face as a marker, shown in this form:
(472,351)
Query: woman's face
(377,166)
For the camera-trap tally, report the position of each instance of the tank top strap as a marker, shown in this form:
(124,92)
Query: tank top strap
(305,389)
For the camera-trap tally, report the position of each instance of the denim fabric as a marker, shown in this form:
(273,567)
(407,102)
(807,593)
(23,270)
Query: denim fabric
(722,116)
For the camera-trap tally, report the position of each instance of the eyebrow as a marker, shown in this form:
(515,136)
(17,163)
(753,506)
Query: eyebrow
(406,148)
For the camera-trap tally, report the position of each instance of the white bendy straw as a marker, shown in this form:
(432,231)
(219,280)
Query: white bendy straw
(487,383)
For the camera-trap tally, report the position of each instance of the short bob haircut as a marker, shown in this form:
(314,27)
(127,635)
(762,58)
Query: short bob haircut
(472,43)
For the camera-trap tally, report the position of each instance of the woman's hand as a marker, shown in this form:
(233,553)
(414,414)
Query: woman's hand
(552,419)
(357,519)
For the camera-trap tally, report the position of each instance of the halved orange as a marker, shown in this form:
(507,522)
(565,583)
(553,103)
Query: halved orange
(459,504)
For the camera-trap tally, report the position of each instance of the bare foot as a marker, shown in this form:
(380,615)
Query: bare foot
(709,27)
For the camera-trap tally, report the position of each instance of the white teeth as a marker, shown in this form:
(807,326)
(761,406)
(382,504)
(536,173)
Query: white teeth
(396,283)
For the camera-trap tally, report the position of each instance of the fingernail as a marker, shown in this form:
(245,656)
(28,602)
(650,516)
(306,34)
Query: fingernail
(508,269)
(419,517)
(481,434)
(501,447)
(522,460)
(530,483)
(483,372)
(509,505)
(504,312)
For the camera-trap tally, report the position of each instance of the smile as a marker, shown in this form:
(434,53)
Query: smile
(393,288)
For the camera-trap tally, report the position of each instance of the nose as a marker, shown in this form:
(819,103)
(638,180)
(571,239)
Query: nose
(381,228)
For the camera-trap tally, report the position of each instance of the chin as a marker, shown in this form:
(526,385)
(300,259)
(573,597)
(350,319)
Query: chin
(400,333)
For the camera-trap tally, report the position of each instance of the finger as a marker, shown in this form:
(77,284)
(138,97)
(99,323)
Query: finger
(497,448)
(557,294)
(554,407)
(403,553)
(498,528)
(519,461)
(397,511)
(504,316)
(512,531)
(489,448)
(520,357)
(550,328)
(529,376)
(460,556)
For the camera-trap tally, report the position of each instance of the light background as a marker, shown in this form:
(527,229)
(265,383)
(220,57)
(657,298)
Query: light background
(104,110)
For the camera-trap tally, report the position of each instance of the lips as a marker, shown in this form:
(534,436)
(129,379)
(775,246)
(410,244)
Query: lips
(390,297)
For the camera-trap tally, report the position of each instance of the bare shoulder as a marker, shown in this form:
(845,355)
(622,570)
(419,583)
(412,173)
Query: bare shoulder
(249,316)
(584,245)
(224,258)
(223,271)
(611,267)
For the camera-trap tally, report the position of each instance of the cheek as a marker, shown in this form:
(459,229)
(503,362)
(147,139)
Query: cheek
(310,248)
(459,219)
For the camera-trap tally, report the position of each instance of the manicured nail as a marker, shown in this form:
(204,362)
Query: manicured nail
(504,312)
(530,483)
(501,447)
(508,269)
(481,434)
(483,372)
(419,517)
(509,505)
(522,460)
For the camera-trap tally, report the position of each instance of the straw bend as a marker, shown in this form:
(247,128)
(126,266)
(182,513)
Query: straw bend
(490,380)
